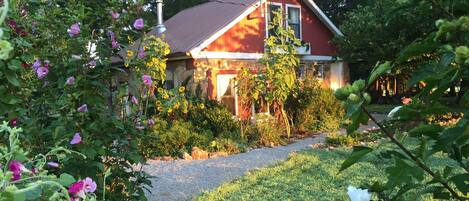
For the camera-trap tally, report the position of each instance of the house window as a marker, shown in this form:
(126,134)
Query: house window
(294,19)
(169,82)
(273,7)
(226,92)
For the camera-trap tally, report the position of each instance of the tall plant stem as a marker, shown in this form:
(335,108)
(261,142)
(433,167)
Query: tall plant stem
(412,156)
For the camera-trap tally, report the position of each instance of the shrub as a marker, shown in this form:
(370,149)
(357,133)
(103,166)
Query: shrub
(314,109)
(266,131)
(340,140)
(214,117)
(226,145)
(173,139)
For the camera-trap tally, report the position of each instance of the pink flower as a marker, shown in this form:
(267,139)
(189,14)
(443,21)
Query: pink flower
(83,108)
(77,189)
(134,100)
(14,122)
(147,80)
(151,122)
(115,15)
(74,30)
(37,64)
(76,139)
(115,44)
(90,185)
(53,164)
(70,80)
(141,54)
(138,24)
(42,72)
(17,168)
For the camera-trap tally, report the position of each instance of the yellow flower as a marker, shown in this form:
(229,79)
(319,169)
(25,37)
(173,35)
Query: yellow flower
(154,60)
(185,111)
(149,64)
(145,48)
(170,110)
(182,89)
(130,53)
(201,106)
(176,106)
(160,90)
(126,65)
(158,103)
(166,96)
(160,108)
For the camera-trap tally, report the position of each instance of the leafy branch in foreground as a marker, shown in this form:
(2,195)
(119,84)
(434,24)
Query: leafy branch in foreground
(436,75)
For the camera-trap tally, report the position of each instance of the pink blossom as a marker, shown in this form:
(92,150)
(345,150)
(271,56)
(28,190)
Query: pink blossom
(83,108)
(151,122)
(70,80)
(134,100)
(42,72)
(90,185)
(14,122)
(74,30)
(115,15)
(17,168)
(53,164)
(147,80)
(115,44)
(141,54)
(76,139)
(138,24)
(37,64)
(77,189)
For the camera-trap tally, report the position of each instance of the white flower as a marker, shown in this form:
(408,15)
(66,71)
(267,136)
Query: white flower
(394,111)
(356,194)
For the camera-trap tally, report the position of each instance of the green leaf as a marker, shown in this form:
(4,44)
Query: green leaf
(431,130)
(14,65)
(402,173)
(379,70)
(462,182)
(357,154)
(66,179)
(11,77)
(418,49)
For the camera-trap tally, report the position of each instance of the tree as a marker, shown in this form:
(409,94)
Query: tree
(172,7)
(337,9)
(378,30)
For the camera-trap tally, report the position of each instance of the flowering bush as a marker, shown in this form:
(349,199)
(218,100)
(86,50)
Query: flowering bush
(59,83)
(25,178)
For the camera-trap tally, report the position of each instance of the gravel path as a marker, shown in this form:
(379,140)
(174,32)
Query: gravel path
(182,180)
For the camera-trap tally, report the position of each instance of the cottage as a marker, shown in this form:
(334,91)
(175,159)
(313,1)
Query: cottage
(211,42)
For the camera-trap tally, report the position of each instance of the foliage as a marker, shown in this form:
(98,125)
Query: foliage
(173,139)
(411,163)
(214,117)
(313,175)
(26,178)
(65,78)
(378,30)
(276,80)
(172,7)
(314,109)
(266,131)
(337,10)
(225,145)
(353,138)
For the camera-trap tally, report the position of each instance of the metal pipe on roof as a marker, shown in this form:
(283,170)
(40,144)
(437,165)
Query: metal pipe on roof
(159,11)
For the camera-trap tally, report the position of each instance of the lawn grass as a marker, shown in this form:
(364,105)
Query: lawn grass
(308,175)
(380,108)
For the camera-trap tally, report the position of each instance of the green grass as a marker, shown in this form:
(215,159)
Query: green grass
(381,108)
(309,175)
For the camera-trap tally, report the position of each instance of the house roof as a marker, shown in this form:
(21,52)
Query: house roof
(193,29)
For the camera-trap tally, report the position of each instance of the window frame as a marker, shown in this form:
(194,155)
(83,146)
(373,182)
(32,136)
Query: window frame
(267,16)
(220,95)
(288,6)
